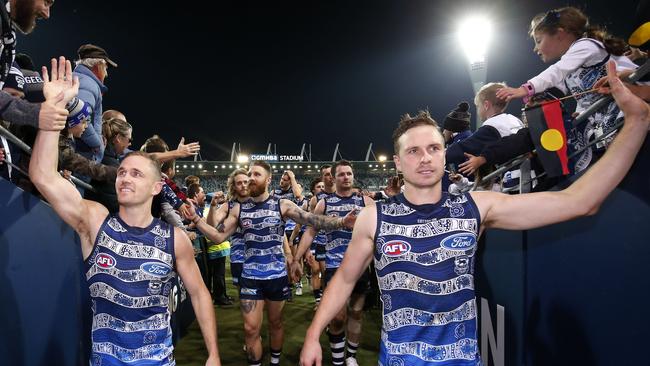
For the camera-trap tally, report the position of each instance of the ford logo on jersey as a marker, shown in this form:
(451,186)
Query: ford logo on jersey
(104,260)
(459,242)
(396,248)
(155,269)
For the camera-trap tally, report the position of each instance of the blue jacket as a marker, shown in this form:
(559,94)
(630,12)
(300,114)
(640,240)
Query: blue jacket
(91,89)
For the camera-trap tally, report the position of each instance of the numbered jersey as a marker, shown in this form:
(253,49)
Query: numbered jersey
(130,275)
(338,240)
(263,230)
(424,258)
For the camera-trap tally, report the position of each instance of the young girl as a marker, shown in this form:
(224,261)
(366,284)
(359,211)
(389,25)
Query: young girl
(583,52)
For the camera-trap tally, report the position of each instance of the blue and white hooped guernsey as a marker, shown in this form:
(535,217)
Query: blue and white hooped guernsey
(338,240)
(237,244)
(278,193)
(129,274)
(321,236)
(424,258)
(263,231)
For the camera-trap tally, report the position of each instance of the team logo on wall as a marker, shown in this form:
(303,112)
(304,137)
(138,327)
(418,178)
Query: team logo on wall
(105,261)
(459,242)
(156,269)
(395,248)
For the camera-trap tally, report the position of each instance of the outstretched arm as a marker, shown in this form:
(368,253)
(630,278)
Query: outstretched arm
(230,225)
(183,151)
(201,299)
(356,260)
(584,196)
(84,216)
(321,222)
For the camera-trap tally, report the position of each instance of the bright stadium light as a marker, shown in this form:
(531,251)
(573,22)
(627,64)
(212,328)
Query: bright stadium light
(200,166)
(242,158)
(237,166)
(382,158)
(223,167)
(474,34)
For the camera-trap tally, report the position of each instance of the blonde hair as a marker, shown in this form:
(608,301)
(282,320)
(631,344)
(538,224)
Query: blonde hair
(489,92)
(113,127)
(231,182)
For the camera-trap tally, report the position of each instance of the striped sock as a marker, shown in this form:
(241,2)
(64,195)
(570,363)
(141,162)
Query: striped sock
(352,349)
(337,345)
(254,363)
(275,357)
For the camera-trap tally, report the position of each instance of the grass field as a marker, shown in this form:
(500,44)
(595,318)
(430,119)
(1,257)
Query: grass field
(297,316)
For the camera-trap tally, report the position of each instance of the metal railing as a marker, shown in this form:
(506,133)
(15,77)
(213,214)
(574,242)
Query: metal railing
(28,150)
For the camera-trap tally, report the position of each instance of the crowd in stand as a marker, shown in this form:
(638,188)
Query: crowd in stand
(93,141)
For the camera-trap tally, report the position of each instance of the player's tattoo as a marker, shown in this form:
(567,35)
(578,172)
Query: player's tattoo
(320,222)
(248,305)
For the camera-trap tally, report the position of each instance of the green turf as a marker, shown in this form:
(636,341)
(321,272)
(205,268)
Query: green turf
(297,316)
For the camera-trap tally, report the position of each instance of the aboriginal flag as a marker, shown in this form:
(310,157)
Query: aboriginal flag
(546,127)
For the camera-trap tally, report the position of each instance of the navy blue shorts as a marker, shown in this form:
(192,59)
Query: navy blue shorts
(320,252)
(362,286)
(235,270)
(277,289)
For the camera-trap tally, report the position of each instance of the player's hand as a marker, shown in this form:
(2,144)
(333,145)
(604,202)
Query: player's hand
(213,361)
(296,271)
(471,165)
(290,174)
(633,107)
(52,117)
(187,210)
(191,235)
(219,198)
(311,354)
(350,219)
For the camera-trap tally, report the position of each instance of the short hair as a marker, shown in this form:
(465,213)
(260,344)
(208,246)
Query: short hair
(263,164)
(489,92)
(155,166)
(339,163)
(166,166)
(155,144)
(313,184)
(423,118)
(323,167)
(90,62)
(191,179)
(193,189)
(231,181)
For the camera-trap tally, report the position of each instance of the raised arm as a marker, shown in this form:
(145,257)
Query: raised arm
(584,196)
(201,299)
(357,258)
(229,225)
(182,151)
(295,188)
(84,216)
(321,222)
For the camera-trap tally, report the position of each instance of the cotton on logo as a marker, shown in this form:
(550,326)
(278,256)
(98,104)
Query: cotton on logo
(396,248)
(105,261)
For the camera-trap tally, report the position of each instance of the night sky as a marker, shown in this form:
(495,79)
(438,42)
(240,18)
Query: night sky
(319,72)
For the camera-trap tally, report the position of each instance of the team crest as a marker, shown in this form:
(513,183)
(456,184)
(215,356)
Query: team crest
(159,242)
(154,288)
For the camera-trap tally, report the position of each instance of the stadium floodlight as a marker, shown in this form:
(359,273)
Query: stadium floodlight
(281,166)
(242,158)
(474,35)
(382,158)
(223,167)
(184,166)
(229,166)
(200,166)
(237,166)
(193,166)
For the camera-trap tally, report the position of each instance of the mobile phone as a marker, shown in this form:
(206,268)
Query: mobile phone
(452,168)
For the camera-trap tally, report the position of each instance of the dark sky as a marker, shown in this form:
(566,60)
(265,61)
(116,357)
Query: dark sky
(319,72)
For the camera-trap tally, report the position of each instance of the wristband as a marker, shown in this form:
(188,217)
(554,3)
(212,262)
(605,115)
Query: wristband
(530,89)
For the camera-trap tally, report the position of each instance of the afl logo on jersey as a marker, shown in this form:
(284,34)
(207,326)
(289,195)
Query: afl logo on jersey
(396,248)
(156,269)
(458,242)
(105,261)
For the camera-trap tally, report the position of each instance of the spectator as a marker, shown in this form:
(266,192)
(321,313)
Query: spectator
(118,137)
(581,51)
(92,70)
(496,124)
(455,127)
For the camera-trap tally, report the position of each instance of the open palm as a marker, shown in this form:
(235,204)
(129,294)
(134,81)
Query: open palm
(60,82)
